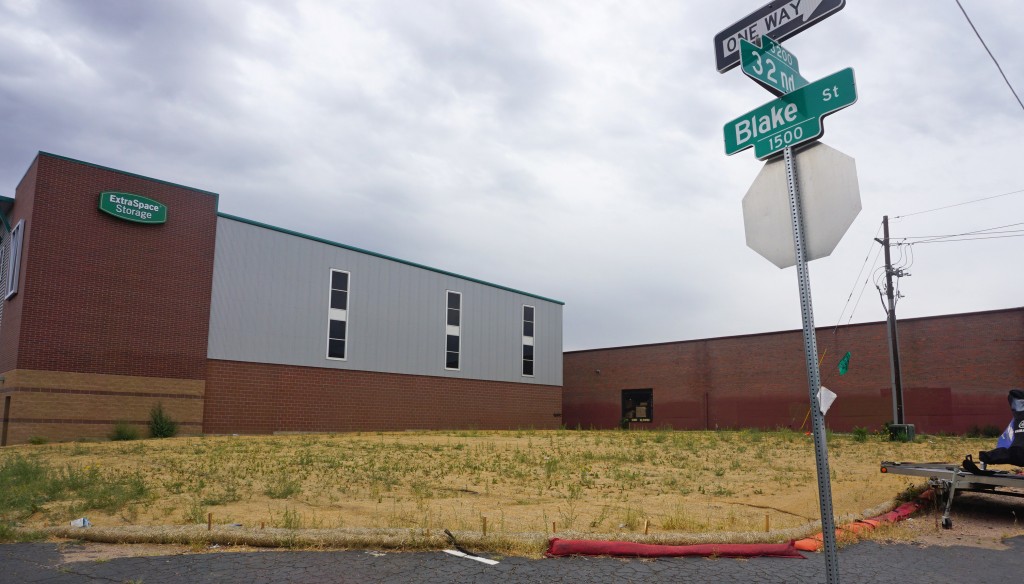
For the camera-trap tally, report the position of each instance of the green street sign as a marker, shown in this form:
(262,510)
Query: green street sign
(791,119)
(132,207)
(775,68)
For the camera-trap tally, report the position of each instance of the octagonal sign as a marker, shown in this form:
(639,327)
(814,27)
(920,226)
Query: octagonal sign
(830,196)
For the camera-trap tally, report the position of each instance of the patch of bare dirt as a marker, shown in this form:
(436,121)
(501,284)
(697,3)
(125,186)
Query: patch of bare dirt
(86,551)
(74,551)
(979,520)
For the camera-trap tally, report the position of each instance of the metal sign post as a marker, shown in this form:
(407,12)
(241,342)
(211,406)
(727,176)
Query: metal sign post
(828,527)
(779,125)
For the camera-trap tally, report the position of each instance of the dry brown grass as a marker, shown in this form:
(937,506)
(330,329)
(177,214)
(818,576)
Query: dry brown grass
(407,487)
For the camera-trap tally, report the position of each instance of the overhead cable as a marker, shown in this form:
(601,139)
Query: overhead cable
(960,204)
(1008,84)
(857,279)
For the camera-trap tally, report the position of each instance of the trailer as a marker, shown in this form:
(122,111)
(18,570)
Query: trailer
(946,478)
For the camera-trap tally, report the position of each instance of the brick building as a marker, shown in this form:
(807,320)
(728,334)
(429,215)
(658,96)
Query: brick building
(957,370)
(122,291)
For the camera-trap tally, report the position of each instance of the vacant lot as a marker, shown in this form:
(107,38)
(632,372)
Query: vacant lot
(586,482)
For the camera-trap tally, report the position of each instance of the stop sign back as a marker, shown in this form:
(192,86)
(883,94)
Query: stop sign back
(830,197)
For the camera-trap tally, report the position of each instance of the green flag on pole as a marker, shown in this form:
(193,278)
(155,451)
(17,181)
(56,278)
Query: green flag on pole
(844,364)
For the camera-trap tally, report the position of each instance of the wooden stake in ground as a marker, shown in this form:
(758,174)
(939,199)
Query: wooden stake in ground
(484,519)
(646,523)
(767,522)
(552,527)
(209,521)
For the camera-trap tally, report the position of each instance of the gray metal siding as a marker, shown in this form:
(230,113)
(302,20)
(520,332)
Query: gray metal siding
(270,305)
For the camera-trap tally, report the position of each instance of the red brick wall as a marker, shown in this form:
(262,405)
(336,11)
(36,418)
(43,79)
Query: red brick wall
(957,371)
(12,313)
(260,398)
(103,295)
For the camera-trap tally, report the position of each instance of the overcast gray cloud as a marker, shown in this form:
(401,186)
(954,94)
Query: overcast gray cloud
(572,149)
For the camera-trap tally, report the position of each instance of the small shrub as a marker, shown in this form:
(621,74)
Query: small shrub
(283,488)
(291,519)
(160,424)
(986,431)
(37,440)
(195,512)
(860,434)
(632,518)
(27,485)
(680,520)
(910,493)
(124,431)
(990,431)
(8,534)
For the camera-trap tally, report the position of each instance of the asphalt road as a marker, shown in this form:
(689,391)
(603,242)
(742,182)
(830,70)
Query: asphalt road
(862,562)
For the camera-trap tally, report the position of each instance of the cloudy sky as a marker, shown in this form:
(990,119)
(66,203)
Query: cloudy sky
(573,149)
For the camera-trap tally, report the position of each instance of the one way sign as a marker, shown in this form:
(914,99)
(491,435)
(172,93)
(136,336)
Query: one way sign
(779,20)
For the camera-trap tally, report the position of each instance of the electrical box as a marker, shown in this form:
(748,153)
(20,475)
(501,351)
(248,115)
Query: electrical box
(901,432)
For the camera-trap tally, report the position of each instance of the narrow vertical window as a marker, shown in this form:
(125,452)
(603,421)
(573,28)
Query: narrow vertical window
(453,330)
(337,317)
(14,263)
(528,340)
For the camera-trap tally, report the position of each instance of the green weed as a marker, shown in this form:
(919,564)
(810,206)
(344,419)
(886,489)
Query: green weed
(160,424)
(124,431)
(284,488)
(28,485)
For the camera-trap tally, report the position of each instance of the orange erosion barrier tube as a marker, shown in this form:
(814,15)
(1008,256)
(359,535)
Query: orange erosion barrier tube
(852,531)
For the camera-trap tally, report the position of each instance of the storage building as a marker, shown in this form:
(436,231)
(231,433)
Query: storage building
(122,292)
(957,371)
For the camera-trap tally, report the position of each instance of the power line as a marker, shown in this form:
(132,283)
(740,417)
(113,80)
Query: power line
(855,280)
(962,239)
(953,235)
(1008,84)
(862,288)
(987,231)
(960,204)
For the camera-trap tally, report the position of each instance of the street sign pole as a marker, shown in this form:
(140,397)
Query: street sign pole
(794,118)
(828,528)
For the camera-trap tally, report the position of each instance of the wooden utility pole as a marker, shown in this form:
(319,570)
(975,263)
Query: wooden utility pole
(894,349)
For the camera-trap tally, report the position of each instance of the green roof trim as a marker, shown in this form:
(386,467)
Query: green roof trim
(6,204)
(382,256)
(144,177)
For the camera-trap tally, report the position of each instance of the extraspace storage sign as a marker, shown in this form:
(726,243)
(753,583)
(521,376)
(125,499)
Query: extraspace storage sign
(133,207)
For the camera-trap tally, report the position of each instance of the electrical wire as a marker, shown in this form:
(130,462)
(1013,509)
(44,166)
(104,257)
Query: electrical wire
(856,279)
(863,288)
(978,34)
(960,204)
(881,285)
(986,231)
(966,239)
